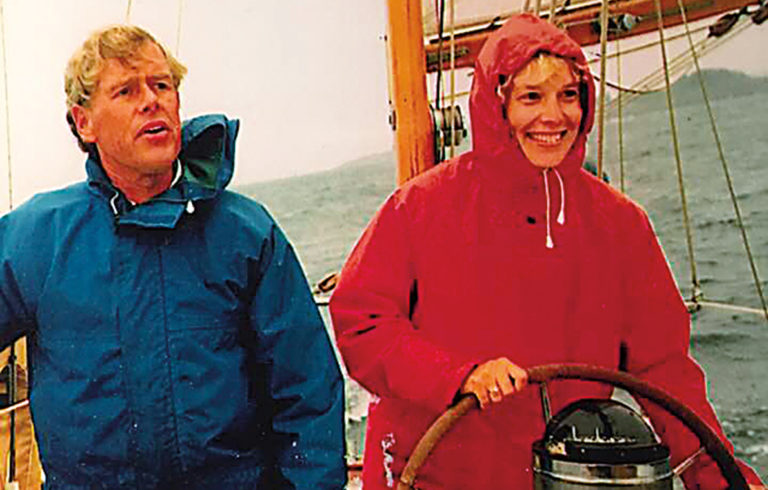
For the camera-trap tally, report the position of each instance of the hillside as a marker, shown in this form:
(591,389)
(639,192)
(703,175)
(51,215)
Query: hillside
(720,84)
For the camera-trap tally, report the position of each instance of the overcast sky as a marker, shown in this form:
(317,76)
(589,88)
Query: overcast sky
(307,79)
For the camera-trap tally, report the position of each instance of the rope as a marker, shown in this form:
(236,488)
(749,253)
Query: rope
(629,90)
(458,94)
(453,78)
(128,12)
(620,121)
(696,305)
(652,44)
(552,11)
(178,27)
(13,408)
(681,62)
(724,163)
(603,64)
(673,128)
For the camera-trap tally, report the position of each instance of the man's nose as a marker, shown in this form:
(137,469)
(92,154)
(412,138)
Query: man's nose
(149,99)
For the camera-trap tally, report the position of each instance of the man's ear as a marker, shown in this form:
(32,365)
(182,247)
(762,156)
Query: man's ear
(83,123)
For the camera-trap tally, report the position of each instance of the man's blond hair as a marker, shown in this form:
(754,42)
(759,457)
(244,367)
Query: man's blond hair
(120,42)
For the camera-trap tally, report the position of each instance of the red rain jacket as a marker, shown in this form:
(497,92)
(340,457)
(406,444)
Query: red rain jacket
(454,270)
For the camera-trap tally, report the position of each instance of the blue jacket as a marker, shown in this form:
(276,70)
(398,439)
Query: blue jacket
(174,344)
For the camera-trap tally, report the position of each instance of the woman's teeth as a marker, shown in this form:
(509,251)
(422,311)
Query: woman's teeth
(548,138)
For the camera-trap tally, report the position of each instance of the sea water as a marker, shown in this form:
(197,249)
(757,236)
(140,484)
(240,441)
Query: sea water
(324,214)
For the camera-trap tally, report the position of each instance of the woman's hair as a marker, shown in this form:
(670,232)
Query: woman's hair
(546,64)
(120,42)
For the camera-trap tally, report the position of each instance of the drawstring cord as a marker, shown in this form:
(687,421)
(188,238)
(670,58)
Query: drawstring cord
(561,215)
(113,203)
(550,244)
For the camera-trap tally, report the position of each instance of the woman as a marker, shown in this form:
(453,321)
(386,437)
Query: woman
(506,257)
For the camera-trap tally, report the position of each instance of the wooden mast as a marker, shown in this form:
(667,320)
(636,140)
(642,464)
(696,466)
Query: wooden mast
(410,117)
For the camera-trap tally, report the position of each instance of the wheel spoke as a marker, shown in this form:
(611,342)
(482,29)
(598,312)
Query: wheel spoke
(546,406)
(687,462)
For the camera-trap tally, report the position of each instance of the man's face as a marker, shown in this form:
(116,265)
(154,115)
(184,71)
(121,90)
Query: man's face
(544,111)
(133,116)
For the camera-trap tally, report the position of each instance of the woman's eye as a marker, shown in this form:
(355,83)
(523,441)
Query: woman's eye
(570,94)
(530,96)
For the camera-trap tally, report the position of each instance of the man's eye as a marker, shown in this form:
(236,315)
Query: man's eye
(163,86)
(123,91)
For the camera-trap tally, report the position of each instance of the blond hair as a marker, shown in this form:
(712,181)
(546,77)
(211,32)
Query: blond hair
(120,42)
(542,66)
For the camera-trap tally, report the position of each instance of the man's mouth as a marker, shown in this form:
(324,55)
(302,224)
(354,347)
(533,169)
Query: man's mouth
(153,128)
(548,138)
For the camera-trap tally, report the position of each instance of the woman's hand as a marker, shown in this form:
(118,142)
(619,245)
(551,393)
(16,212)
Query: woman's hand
(495,379)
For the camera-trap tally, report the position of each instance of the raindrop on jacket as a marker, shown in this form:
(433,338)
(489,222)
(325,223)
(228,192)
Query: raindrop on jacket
(173,344)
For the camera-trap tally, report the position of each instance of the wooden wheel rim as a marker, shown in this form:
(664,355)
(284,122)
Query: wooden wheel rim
(542,374)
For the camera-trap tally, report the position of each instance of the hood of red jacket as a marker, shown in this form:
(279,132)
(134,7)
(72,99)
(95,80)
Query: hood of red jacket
(505,52)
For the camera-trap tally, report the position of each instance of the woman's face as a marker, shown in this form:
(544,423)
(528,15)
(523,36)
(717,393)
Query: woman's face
(544,110)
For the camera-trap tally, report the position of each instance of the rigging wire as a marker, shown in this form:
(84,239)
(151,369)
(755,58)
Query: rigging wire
(603,66)
(178,27)
(620,88)
(678,64)
(724,163)
(652,44)
(552,9)
(453,79)
(7,111)
(620,120)
(682,61)
(12,387)
(440,89)
(440,12)
(675,143)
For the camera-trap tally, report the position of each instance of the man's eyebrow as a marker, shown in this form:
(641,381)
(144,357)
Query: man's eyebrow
(131,78)
(119,83)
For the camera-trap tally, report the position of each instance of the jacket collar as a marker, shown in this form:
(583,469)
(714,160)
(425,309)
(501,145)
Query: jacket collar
(207,161)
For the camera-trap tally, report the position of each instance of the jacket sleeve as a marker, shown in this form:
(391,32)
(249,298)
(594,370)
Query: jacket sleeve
(657,339)
(303,382)
(14,313)
(371,310)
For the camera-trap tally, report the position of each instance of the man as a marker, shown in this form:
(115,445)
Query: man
(173,341)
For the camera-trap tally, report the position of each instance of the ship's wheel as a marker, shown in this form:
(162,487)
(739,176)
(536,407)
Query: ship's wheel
(709,440)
